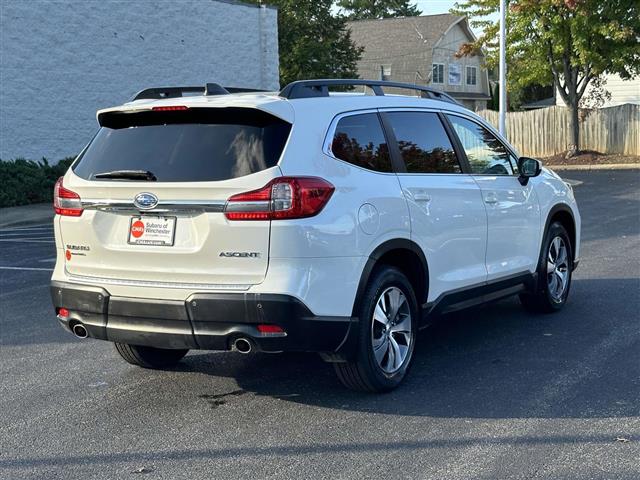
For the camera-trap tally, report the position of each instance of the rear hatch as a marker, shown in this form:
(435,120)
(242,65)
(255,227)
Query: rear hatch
(153,185)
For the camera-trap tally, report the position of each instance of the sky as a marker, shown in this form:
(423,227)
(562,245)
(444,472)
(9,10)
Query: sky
(432,7)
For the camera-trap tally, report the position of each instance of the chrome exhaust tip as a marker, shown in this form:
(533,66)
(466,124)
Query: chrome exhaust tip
(79,330)
(242,345)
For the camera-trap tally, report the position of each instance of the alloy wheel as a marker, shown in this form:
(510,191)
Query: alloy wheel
(391,330)
(557,269)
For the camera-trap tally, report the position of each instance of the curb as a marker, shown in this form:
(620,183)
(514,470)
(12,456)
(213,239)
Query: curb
(602,166)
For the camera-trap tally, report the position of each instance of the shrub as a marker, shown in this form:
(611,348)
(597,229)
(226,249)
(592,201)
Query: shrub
(25,181)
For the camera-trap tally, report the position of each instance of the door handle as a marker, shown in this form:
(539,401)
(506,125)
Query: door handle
(491,198)
(422,197)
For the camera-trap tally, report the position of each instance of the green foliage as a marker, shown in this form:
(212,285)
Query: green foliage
(313,43)
(368,9)
(566,43)
(494,103)
(528,94)
(25,181)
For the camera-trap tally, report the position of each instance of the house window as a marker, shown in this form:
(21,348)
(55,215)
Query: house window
(472,75)
(385,72)
(438,73)
(455,74)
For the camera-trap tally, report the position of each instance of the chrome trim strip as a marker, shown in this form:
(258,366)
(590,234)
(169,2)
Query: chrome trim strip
(162,206)
(257,206)
(83,279)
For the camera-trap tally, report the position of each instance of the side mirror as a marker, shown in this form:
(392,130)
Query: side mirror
(529,167)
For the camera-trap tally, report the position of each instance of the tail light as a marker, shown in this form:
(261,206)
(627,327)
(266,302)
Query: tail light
(281,199)
(66,202)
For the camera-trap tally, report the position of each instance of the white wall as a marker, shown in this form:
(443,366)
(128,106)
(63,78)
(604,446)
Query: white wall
(61,61)
(622,91)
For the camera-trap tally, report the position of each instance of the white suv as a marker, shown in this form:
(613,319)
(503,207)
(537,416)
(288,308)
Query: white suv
(304,220)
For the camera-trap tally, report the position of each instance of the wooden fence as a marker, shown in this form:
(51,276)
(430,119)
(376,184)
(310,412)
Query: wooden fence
(545,132)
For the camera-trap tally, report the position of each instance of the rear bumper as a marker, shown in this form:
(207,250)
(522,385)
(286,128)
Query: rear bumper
(210,321)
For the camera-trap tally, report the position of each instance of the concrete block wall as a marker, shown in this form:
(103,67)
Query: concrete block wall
(60,61)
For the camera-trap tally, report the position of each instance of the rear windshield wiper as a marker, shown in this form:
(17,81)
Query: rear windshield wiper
(128,175)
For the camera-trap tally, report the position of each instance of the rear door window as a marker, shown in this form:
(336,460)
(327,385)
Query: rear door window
(186,146)
(359,140)
(423,142)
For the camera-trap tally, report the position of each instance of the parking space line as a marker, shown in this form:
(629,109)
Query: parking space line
(28,268)
(33,227)
(25,240)
(23,234)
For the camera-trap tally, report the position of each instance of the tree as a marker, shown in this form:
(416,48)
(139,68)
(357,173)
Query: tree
(312,42)
(367,9)
(564,43)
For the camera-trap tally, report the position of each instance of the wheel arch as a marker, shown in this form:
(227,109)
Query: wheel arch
(404,254)
(562,213)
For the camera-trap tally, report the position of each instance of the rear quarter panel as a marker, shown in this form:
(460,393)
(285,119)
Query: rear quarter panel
(366,209)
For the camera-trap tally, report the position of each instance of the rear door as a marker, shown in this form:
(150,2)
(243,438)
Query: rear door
(448,218)
(153,186)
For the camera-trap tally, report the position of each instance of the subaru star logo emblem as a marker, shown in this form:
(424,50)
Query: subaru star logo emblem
(145,201)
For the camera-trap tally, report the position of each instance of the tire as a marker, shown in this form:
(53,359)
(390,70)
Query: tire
(149,357)
(552,291)
(395,339)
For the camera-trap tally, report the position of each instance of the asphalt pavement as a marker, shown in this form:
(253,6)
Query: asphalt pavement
(494,392)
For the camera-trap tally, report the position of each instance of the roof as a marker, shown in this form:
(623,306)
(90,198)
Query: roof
(400,42)
(288,110)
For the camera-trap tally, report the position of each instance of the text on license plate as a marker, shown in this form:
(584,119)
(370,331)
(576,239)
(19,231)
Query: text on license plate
(151,230)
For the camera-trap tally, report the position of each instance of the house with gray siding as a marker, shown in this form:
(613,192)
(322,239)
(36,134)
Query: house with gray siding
(422,50)
(62,61)
(621,91)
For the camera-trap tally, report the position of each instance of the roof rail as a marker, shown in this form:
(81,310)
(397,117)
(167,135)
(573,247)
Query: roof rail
(320,88)
(177,92)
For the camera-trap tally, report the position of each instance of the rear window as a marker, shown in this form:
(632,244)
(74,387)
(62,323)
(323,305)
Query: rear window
(359,140)
(186,146)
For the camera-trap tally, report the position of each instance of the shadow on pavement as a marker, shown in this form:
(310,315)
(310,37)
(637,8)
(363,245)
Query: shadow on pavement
(493,362)
(296,450)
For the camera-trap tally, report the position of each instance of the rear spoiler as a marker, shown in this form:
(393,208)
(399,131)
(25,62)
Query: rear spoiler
(158,93)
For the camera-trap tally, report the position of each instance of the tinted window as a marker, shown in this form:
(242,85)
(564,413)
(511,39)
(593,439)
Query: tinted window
(359,140)
(186,146)
(486,154)
(423,142)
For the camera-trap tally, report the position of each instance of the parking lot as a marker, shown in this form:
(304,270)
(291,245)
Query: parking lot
(494,392)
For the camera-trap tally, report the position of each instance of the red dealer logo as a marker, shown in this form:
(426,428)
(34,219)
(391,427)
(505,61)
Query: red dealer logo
(137,229)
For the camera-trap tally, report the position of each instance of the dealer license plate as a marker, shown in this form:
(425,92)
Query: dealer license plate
(152,230)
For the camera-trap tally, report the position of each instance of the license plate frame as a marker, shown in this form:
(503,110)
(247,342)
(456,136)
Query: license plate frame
(161,234)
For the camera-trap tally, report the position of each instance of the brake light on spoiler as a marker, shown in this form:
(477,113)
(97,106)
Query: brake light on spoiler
(283,198)
(66,202)
(171,108)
